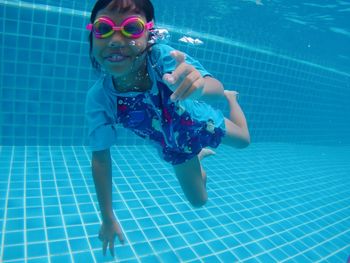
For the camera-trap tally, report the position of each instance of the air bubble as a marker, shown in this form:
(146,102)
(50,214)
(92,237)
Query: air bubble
(159,35)
(190,40)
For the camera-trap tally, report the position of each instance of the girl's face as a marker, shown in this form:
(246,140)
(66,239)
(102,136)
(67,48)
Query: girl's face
(118,54)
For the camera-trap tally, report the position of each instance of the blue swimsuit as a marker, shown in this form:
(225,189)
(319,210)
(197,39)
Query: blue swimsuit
(180,130)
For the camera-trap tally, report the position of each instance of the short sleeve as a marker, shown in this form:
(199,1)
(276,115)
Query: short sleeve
(169,63)
(102,129)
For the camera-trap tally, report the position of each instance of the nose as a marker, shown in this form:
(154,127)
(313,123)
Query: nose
(116,40)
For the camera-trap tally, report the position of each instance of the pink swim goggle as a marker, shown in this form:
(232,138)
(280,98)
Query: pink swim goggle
(131,27)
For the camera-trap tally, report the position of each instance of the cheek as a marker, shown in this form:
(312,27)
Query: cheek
(96,49)
(137,45)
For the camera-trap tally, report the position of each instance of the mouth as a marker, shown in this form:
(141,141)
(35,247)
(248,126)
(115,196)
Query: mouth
(116,58)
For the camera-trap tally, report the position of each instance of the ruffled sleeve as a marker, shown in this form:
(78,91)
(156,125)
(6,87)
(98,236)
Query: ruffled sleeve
(161,55)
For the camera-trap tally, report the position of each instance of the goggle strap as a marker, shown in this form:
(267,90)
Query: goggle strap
(149,25)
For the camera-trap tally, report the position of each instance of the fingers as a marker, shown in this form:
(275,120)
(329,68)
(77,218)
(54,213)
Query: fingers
(174,79)
(104,246)
(109,241)
(181,68)
(183,77)
(120,237)
(185,81)
(190,86)
(194,92)
(111,247)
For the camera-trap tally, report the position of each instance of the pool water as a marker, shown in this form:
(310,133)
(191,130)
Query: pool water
(285,198)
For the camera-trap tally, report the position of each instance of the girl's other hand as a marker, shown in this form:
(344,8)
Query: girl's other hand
(185,81)
(107,234)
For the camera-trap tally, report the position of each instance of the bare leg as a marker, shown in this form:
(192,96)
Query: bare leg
(237,133)
(190,177)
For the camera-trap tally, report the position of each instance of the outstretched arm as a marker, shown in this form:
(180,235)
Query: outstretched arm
(102,174)
(213,90)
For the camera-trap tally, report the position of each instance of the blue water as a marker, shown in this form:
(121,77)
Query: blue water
(283,199)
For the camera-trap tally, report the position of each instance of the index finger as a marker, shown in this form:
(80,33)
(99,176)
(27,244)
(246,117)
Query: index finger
(178,56)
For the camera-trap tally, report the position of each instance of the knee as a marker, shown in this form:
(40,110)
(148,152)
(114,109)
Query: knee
(199,202)
(244,144)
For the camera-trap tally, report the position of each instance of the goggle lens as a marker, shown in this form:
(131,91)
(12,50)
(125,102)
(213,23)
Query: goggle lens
(102,29)
(134,28)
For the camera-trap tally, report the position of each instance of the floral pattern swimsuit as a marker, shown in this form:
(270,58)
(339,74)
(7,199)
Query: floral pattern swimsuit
(154,116)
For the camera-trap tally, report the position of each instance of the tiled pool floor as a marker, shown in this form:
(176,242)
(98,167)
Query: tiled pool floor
(267,203)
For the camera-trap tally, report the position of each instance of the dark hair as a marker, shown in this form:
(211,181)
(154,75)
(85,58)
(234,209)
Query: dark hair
(121,6)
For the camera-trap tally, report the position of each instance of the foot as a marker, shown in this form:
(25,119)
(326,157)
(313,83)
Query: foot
(204,153)
(231,95)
